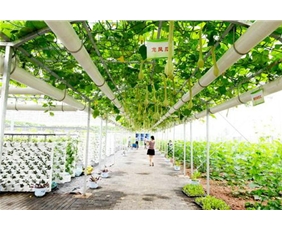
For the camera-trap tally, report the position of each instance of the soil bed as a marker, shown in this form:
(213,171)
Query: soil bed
(221,190)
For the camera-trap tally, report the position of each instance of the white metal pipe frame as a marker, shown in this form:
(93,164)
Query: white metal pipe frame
(24,77)
(268,89)
(23,91)
(255,34)
(6,65)
(86,150)
(184,149)
(66,34)
(208,152)
(35,107)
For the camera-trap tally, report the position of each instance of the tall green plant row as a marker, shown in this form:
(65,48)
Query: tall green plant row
(253,168)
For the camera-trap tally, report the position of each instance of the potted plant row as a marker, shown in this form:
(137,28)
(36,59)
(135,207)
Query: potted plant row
(195,177)
(40,188)
(105,173)
(93,181)
(176,165)
(167,158)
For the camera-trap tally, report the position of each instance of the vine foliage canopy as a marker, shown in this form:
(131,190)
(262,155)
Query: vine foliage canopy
(136,90)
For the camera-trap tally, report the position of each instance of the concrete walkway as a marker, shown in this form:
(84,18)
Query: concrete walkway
(132,185)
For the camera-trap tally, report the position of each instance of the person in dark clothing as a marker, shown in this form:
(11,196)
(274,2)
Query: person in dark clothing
(151,150)
(136,142)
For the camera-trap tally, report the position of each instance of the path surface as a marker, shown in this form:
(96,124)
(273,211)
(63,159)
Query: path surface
(132,185)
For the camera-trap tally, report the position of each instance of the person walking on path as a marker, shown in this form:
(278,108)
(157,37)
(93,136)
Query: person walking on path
(137,144)
(145,143)
(129,142)
(151,150)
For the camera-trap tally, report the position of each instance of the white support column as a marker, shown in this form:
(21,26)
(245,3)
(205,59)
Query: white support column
(191,149)
(184,149)
(157,137)
(167,135)
(114,146)
(12,127)
(162,147)
(4,95)
(100,144)
(160,138)
(173,143)
(165,141)
(106,136)
(208,153)
(86,150)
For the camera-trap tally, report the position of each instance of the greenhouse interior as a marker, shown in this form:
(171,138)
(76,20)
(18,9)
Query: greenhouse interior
(84,101)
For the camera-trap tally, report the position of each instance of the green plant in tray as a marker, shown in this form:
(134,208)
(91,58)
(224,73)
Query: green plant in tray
(196,175)
(211,203)
(194,190)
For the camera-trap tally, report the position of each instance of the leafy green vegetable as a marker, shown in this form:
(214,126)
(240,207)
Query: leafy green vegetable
(212,203)
(194,190)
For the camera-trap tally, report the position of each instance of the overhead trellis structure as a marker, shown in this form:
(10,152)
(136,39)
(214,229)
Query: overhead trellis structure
(104,64)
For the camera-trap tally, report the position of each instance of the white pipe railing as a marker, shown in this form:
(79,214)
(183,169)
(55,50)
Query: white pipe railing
(35,107)
(24,77)
(255,34)
(268,89)
(23,91)
(66,34)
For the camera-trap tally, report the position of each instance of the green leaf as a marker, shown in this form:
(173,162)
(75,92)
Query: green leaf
(30,25)
(118,117)
(96,113)
(253,185)
(143,52)
(39,24)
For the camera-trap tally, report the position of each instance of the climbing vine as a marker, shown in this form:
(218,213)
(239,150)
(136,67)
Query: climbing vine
(141,84)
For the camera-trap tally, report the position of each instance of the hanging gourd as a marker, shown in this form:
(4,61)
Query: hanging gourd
(137,98)
(141,75)
(165,102)
(146,101)
(215,68)
(169,65)
(140,112)
(156,114)
(154,99)
(201,60)
(190,104)
(141,39)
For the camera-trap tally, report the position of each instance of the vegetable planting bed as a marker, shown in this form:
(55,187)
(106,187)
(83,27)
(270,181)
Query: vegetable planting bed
(246,175)
(224,192)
